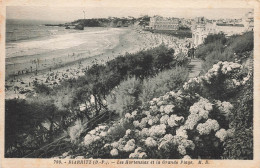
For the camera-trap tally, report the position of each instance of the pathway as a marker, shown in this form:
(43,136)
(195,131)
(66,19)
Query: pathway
(195,68)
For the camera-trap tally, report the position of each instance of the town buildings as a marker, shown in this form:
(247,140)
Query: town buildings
(202,27)
(162,23)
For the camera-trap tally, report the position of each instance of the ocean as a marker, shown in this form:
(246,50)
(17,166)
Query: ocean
(17,30)
(28,42)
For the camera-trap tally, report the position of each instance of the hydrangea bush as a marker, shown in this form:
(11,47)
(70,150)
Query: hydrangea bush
(180,125)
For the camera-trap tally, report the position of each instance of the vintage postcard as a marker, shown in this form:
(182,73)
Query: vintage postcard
(109,83)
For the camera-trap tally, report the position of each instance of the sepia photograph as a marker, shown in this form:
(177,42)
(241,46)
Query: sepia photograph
(97,82)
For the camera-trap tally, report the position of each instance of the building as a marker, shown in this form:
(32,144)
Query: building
(248,21)
(201,30)
(161,23)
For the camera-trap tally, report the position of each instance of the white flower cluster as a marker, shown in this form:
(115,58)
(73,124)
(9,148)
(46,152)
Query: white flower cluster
(228,66)
(222,134)
(138,154)
(166,141)
(142,123)
(198,111)
(130,145)
(167,109)
(192,83)
(95,134)
(164,119)
(186,157)
(131,116)
(221,67)
(153,120)
(128,132)
(207,127)
(224,107)
(162,100)
(181,132)
(174,120)
(183,144)
(145,132)
(150,142)
(114,152)
(157,130)
(89,139)
(122,145)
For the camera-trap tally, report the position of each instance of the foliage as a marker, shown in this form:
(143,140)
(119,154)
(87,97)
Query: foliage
(242,121)
(189,123)
(241,44)
(24,124)
(132,93)
(125,97)
(162,83)
(219,48)
(241,145)
(215,37)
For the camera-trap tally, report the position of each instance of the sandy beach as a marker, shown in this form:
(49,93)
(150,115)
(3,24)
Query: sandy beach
(53,60)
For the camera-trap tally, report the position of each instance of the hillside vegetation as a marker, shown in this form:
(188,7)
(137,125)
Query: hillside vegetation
(209,117)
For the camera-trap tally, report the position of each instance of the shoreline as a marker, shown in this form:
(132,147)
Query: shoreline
(131,41)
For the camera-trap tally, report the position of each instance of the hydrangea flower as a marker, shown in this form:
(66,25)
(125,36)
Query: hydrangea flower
(191,121)
(164,119)
(127,133)
(88,139)
(103,134)
(181,133)
(150,142)
(181,150)
(145,132)
(157,130)
(222,134)
(138,154)
(133,156)
(186,157)
(128,116)
(167,137)
(114,152)
(153,120)
(130,145)
(168,109)
(207,127)
(136,123)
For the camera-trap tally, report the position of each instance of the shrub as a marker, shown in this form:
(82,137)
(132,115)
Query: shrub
(124,98)
(215,37)
(241,44)
(242,122)
(164,82)
(240,146)
(218,48)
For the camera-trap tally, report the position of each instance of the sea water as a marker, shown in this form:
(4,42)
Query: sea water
(32,44)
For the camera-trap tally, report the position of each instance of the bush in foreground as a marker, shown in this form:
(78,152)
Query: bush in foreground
(184,124)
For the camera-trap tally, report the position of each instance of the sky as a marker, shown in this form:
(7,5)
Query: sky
(74,13)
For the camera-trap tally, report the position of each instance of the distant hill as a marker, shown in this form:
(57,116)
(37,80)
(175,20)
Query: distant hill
(112,22)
